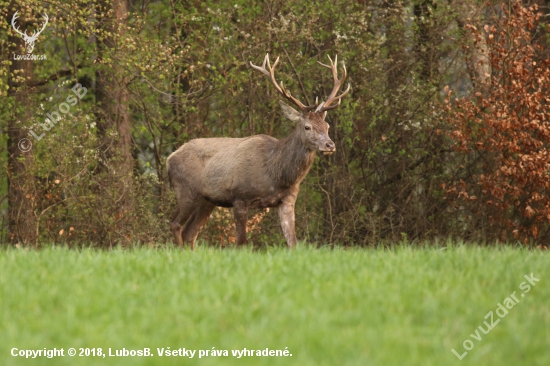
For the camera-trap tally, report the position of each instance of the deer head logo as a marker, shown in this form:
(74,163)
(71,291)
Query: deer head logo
(29,40)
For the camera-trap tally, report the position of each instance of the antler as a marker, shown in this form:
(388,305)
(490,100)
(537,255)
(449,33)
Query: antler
(16,28)
(270,72)
(326,106)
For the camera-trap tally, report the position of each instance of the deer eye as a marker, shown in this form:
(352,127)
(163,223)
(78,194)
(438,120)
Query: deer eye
(308,128)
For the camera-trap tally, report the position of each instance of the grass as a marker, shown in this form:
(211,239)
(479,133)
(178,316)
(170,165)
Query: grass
(401,306)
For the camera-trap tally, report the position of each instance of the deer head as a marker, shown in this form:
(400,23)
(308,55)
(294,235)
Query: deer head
(29,40)
(310,119)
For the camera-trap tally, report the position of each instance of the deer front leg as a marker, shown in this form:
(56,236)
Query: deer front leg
(286,215)
(240,213)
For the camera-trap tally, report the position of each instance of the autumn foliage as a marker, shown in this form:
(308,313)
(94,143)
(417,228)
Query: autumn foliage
(503,130)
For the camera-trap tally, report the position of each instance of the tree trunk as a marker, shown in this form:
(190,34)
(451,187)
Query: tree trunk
(113,111)
(426,41)
(396,67)
(477,54)
(21,218)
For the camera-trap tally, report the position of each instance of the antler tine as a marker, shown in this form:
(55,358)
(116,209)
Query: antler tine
(262,68)
(326,106)
(272,75)
(270,72)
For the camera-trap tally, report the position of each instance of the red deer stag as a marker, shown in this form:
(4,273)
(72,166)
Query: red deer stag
(251,172)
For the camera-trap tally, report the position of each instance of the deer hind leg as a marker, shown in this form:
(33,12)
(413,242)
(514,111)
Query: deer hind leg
(196,222)
(180,217)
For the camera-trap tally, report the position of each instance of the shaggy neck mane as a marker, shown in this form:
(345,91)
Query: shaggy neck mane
(290,161)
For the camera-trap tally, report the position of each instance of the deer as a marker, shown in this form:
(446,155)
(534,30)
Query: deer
(254,172)
(29,40)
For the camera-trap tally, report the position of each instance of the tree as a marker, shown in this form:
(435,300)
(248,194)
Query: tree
(112,102)
(469,14)
(21,199)
(503,130)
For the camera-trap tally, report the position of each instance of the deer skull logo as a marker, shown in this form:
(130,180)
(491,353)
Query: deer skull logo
(29,40)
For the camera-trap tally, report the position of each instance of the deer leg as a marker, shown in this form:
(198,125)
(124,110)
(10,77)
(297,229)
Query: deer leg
(240,213)
(196,222)
(286,215)
(175,227)
(181,215)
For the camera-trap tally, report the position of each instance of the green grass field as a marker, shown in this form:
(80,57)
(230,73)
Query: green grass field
(326,307)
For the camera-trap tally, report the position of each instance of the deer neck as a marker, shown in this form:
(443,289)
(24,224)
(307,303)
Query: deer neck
(291,160)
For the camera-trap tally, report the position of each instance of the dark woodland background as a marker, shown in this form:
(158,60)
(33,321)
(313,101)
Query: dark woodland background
(445,133)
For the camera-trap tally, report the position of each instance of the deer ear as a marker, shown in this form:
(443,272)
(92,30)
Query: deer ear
(290,113)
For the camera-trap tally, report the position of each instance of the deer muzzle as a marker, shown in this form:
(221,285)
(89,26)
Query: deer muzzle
(329,148)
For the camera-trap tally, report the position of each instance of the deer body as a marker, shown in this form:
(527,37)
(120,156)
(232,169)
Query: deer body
(245,169)
(245,173)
